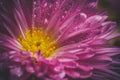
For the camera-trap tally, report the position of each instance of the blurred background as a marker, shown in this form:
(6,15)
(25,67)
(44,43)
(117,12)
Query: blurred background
(113,8)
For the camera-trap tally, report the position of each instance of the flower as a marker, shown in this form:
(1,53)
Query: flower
(56,40)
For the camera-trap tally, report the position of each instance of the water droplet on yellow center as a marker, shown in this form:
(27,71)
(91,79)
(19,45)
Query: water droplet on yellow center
(35,40)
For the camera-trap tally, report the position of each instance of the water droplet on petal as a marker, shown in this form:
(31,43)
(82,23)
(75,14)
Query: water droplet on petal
(65,12)
(57,2)
(34,2)
(34,15)
(63,17)
(84,15)
(98,18)
(12,52)
(46,20)
(45,5)
(76,28)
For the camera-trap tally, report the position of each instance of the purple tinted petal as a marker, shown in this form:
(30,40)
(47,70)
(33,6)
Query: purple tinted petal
(8,42)
(16,71)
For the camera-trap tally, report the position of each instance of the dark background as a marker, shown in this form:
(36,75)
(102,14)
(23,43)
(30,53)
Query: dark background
(113,8)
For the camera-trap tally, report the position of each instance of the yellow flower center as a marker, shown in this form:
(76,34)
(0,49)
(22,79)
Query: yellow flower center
(35,40)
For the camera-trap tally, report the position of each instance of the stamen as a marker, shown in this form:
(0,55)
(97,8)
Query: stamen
(35,40)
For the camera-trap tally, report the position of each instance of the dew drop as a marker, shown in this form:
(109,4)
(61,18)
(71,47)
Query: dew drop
(98,18)
(46,20)
(34,15)
(12,52)
(76,28)
(65,12)
(34,2)
(57,3)
(63,17)
(83,15)
(45,5)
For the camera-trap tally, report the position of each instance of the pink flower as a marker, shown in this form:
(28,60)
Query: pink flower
(56,40)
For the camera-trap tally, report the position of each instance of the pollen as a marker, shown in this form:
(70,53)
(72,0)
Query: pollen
(36,40)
